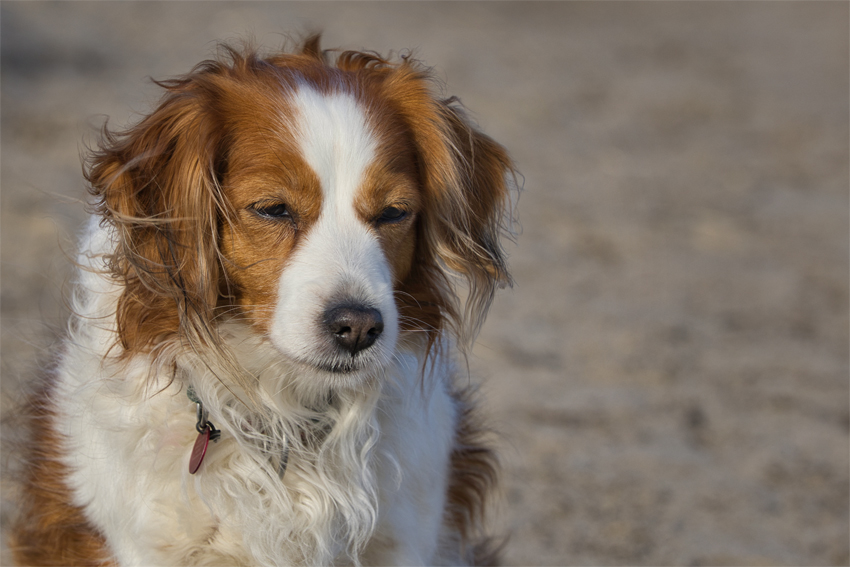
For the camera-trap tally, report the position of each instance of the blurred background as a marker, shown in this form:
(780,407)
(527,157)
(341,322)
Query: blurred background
(669,374)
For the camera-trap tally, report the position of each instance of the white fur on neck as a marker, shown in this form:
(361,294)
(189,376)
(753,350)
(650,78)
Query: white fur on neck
(373,489)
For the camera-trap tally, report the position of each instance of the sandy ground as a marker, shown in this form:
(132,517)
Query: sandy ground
(670,372)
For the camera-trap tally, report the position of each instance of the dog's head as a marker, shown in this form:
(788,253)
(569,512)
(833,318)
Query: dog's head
(327,205)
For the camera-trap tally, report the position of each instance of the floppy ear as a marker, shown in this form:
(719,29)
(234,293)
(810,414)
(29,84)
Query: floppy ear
(156,185)
(467,179)
(484,176)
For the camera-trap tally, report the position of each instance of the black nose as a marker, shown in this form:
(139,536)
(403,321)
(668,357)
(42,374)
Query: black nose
(354,328)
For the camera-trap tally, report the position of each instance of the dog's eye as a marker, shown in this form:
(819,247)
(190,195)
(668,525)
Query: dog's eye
(272,211)
(391,215)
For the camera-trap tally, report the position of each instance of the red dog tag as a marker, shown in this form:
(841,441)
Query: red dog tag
(199,450)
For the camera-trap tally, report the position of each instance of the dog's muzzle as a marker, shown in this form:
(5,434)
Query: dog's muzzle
(353,328)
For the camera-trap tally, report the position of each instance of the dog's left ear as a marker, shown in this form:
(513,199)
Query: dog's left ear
(485,177)
(467,180)
(475,213)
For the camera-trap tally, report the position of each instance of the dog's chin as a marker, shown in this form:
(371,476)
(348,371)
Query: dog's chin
(340,374)
(341,368)
(321,364)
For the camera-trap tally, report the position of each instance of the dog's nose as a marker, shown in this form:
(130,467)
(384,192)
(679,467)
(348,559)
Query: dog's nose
(354,328)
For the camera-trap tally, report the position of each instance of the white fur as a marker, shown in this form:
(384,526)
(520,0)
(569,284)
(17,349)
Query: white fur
(341,259)
(372,490)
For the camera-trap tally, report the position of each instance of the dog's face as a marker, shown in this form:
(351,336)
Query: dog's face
(324,201)
(323,206)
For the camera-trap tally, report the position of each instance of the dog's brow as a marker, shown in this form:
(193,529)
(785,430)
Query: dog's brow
(336,141)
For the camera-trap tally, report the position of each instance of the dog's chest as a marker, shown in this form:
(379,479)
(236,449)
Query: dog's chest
(380,490)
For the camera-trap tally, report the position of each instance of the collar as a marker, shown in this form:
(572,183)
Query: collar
(207,432)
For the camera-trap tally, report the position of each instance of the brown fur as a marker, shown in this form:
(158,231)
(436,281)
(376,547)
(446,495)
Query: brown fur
(472,481)
(48,529)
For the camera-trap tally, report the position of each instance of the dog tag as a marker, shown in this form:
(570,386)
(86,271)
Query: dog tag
(199,450)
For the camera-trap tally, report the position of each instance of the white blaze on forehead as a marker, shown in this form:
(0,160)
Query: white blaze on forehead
(339,259)
(336,141)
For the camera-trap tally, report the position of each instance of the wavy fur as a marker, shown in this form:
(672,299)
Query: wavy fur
(259,200)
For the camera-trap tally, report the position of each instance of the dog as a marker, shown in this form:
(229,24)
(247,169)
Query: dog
(264,361)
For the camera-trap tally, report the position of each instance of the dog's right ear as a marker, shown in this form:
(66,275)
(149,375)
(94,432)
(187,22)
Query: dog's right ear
(156,185)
